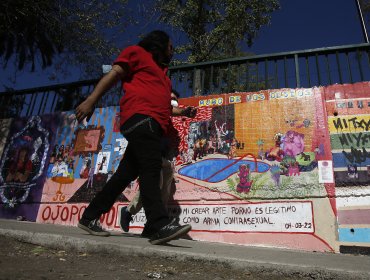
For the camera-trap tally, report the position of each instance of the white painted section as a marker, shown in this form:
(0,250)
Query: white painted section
(326,174)
(353,197)
(258,217)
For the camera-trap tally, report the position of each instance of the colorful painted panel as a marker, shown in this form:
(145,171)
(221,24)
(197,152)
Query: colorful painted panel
(83,159)
(247,162)
(249,152)
(348,109)
(23,165)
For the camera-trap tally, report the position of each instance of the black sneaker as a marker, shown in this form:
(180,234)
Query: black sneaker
(147,232)
(169,232)
(93,227)
(124,218)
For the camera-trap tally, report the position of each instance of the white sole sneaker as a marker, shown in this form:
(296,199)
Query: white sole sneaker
(183,230)
(96,233)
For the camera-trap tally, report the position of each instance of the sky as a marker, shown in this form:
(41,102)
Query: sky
(298,25)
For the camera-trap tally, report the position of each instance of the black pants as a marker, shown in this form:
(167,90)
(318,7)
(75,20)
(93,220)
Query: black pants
(142,159)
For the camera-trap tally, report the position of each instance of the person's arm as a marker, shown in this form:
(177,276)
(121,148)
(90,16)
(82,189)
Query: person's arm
(86,108)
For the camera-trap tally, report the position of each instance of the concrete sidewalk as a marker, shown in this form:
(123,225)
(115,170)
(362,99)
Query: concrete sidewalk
(277,261)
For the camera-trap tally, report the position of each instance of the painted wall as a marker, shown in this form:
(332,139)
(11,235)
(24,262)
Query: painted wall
(285,168)
(24,163)
(348,110)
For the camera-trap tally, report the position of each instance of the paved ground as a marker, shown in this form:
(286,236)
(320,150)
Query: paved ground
(123,254)
(20,260)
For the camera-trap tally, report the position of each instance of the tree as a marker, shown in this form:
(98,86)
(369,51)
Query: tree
(215,28)
(39,31)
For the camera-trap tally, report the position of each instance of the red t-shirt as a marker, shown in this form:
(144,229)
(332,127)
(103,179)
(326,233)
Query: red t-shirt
(147,89)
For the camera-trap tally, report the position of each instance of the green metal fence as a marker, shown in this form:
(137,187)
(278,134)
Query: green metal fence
(307,68)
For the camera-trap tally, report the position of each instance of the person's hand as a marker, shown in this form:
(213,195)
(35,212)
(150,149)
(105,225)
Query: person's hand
(85,110)
(189,112)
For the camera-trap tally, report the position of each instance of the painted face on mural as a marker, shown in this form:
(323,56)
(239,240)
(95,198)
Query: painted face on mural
(91,139)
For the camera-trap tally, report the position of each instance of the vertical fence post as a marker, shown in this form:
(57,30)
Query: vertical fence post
(358,57)
(285,73)
(339,68)
(266,74)
(318,69)
(296,62)
(308,71)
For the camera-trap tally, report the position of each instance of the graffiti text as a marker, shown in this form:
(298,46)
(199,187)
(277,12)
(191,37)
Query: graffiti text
(354,122)
(357,155)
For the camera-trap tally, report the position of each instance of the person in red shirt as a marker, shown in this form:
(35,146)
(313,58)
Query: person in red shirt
(170,149)
(145,110)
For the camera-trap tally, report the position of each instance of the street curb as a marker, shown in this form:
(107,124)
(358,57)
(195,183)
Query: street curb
(57,241)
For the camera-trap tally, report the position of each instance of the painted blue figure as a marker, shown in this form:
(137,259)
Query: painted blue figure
(90,178)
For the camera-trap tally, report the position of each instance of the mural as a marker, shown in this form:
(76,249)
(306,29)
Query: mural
(83,159)
(249,153)
(348,108)
(285,168)
(249,171)
(23,165)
